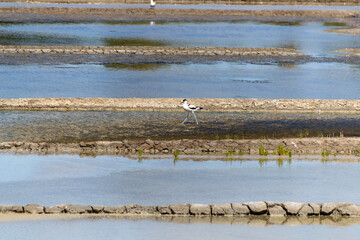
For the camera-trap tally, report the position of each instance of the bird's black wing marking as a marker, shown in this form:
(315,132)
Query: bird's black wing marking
(192,107)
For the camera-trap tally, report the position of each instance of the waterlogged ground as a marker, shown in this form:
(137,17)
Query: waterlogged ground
(214,80)
(70,127)
(309,37)
(114,180)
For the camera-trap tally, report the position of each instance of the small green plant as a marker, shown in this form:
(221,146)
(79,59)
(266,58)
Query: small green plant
(283,151)
(75,141)
(217,137)
(240,152)
(228,136)
(103,139)
(236,137)
(140,152)
(230,152)
(176,154)
(290,154)
(301,135)
(63,141)
(306,133)
(325,153)
(262,151)
(320,135)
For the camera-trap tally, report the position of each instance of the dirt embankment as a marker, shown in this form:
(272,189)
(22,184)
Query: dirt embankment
(174,105)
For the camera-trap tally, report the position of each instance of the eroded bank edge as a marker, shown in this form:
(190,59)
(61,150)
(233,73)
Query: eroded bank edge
(229,147)
(227,209)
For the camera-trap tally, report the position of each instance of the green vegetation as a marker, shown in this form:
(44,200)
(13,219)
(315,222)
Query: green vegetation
(230,152)
(240,152)
(301,135)
(176,154)
(236,137)
(262,151)
(325,153)
(283,151)
(140,152)
(217,137)
(306,133)
(320,135)
(228,136)
(123,41)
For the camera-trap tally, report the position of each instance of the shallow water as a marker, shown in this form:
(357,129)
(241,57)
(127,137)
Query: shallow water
(114,180)
(70,127)
(219,80)
(180,228)
(309,37)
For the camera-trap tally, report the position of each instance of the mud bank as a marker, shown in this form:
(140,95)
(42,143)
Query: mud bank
(303,146)
(174,105)
(227,209)
(143,50)
(48,14)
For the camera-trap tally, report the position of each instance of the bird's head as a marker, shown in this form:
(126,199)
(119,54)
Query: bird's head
(183,101)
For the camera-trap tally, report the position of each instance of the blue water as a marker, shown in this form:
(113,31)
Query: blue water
(310,38)
(222,79)
(114,180)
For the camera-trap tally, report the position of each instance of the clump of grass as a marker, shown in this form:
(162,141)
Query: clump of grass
(240,152)
(63,141)
(262,151)
(236,137)
(230,152)
(140,152)
(306,133)
(320,135)
(325,153)
(176,154)
(283,151)
(228,136)
(217,137)
(300,135)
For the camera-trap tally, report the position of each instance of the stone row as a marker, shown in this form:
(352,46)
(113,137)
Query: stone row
(303,146)
(150,51)
(249,208)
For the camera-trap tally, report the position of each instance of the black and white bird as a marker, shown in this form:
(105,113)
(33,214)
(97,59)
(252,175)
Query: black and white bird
(152,3)
(190,108)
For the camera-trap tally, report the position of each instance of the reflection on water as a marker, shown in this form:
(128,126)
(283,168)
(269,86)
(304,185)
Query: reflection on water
(136,67)
(111,227)
(251,220)
(334,24)
(119,180)
(281,23)
(133,42)
(310,37)
(283,79)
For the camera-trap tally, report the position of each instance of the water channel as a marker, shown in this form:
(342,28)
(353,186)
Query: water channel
(116,180)
(308,37)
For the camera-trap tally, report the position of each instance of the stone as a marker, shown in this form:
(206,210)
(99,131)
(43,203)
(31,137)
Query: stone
(55,209)
(222,209)
(11,208)
(276,210)
(181,209)
(78,209)
(349,210)
(306,210)
(316,208)
(327,208)
(200,209)
(165,209)
(292,208)
(149,210)
(240,209)
(115,209)
(257,208)
(34,209)
(97,209)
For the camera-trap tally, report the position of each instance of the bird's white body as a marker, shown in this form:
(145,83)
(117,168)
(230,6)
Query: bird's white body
(152,3)
(190,109)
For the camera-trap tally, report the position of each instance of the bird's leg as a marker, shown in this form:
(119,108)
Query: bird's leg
(195,118)
(185,118)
